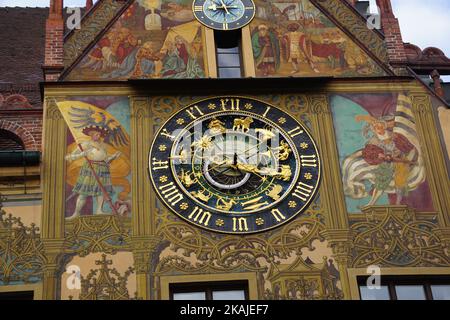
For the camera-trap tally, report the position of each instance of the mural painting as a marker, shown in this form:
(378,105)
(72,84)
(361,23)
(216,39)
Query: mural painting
(442,114)
(98,179)
(152,39)
(381,159)
(293,38)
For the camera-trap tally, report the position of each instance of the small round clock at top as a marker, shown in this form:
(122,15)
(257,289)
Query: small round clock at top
(234,165)
(224,14)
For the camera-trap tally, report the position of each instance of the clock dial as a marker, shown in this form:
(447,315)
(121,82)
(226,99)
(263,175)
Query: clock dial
(224,14)
(225,165)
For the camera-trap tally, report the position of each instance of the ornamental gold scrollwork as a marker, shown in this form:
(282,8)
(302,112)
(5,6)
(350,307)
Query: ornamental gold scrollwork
(393,236)
(421,104)
(107,234)
(21,251)
(189,250)
(105,283)
(312,281)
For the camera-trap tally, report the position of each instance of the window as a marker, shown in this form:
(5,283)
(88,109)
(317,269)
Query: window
(234,290)
(407,288)
(16,295)
(9,141)
(228,53)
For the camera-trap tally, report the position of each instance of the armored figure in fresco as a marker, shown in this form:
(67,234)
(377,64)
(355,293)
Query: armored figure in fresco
(293,47)
(94,179)
(100,141)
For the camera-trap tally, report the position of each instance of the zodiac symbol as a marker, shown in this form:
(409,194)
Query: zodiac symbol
(285,173)
(201,195)
(242,124)
(275,192)
(217,126)
(222,204)
(186,179)
(253,204)
(283,151)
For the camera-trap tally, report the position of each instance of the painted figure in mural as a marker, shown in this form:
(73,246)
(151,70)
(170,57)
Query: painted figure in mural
(176,58)
(293,43)
(390,162)
(112,50)
(146,57)
(389,152)
(94,179)
(266,50)
(178,62)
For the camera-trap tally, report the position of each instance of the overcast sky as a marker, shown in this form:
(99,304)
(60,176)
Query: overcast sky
(425,23)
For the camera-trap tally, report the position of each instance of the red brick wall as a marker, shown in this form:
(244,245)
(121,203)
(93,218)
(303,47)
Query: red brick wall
(25,124)
(54,42)
(392,32)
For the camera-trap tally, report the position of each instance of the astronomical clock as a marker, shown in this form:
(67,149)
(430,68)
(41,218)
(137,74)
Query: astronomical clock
(234,165)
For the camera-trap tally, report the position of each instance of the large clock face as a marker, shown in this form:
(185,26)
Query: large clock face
(224,14)
(234,165)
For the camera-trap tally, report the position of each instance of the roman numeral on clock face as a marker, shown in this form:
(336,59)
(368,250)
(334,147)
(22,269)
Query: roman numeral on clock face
(159,165)
(194,112)
(295,132)
(309,161)
(166,134)
(171,194)
(225,26)
(240,224)
(303,191)
(266,112)
(198,8)
(278,215)
(200,216)
(230,104)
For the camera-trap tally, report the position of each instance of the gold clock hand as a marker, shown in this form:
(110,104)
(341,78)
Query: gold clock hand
(225,7)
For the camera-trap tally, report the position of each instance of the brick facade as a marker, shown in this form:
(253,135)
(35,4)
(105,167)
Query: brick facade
(54,42)
(28,127)
(392,33)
